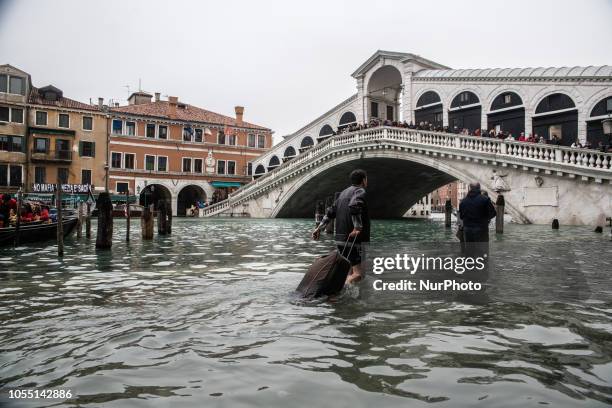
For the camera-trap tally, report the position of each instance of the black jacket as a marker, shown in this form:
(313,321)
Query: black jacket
(350,206)
(476,210)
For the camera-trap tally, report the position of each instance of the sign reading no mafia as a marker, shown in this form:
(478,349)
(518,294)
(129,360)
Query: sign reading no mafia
(66,188)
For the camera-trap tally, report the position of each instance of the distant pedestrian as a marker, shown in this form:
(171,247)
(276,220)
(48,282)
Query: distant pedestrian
(476,210)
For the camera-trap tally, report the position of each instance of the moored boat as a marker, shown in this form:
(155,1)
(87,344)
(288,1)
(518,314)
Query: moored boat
(36,231)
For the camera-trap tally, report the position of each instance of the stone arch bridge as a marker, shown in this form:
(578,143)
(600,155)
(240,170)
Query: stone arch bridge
(544,181)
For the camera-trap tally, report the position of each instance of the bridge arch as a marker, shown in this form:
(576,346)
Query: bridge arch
(507,113)
(273,163)
(597,112)
(325,132)
(306,143)
(384,88)
(398,178)
(289,153)
(465,111)
(556,114)
(260,170)
(347,119)
(429,108)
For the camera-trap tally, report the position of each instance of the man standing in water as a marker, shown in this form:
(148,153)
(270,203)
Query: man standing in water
(475,211)
(352,223)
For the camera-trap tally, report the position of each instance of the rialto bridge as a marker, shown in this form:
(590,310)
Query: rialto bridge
(546,181)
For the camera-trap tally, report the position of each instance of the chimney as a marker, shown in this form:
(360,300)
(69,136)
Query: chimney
(239,112)
(100,102)
(172,102)
(157,95)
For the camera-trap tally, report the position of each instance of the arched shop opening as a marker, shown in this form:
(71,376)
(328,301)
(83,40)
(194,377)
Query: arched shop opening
(260,170)
(465,112)
(325,132)
(384,94)
(595,129)
(429,109)
(273,163)
(153,194)
(289,153)
(190,195)
(507,114)
(306,143)
(347,119)
(556,115)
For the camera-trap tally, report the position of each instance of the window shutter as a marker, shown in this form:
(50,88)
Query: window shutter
(80,148)
(93,149)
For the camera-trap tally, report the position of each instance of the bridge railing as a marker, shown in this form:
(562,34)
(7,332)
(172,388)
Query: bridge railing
(498,149)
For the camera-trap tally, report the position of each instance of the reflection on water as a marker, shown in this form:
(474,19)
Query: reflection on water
(205,317)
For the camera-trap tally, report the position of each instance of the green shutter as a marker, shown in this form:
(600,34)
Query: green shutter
(80,148)
(93,149)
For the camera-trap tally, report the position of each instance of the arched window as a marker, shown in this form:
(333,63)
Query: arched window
(260,169)
(347,118)
(429,109)
(555,102)
(274,161)
(326,131)
(289,152)
(428,98)
(506,100)
(307,142)
(464,98)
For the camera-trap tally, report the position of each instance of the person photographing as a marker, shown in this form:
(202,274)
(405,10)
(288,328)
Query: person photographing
(350,211)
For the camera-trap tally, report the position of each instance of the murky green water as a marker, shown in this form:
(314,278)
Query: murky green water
(206,317)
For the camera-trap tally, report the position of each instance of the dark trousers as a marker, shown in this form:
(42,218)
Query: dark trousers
(476,241)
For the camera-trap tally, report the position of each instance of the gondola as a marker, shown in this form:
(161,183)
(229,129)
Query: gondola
(36,231)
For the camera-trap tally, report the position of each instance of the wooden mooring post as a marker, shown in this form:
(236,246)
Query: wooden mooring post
(104,235)
(500,208)
(448,211)
(127,215)
(18,219)
(60,219)
(79,225)
(88,221)
(146,223)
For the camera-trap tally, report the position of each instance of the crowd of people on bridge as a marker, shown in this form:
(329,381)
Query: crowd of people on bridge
(492,133)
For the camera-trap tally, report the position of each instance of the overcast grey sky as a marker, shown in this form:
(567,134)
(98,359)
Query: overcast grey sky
(285,61)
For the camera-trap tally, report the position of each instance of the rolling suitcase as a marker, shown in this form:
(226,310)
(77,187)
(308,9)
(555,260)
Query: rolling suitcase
(327,274)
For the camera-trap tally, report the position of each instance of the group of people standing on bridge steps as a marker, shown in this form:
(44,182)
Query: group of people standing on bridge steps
(350,211)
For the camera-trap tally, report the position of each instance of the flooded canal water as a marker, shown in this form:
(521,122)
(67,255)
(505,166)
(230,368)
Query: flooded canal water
(206,317)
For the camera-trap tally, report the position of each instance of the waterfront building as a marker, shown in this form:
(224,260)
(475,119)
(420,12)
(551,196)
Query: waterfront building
(179,152)
(14,90)
(66,143)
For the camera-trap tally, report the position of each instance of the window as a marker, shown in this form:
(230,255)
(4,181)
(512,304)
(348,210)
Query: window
(63,120)
(251,142)
(62,175)
(187,134)
(122,187)
(87,123)
(149,162)
(17,85)
(3,83)
(87,149)
(186,165)
(4,175)
(16,144)
(85,176)
(438,117)
(231,140)
(116,160)
(249,169)
(16,115)
(11,143)
(117,127)
(4,113)
(221,137)
(41,118)
(197,165)
(198,135)
(15,176)
(128,160)
(130,128)
(150,132)
(261,141)
(162,163)
(231,167)
(41,145)
(40,175)
(389,112)
(163,132)
(507,99)
(220,166)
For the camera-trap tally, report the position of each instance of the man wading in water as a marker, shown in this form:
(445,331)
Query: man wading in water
(352,222)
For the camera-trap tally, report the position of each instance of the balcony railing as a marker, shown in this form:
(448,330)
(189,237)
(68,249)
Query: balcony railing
(52,155)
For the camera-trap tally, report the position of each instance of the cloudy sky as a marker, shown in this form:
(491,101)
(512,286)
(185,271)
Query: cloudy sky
(286,62)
